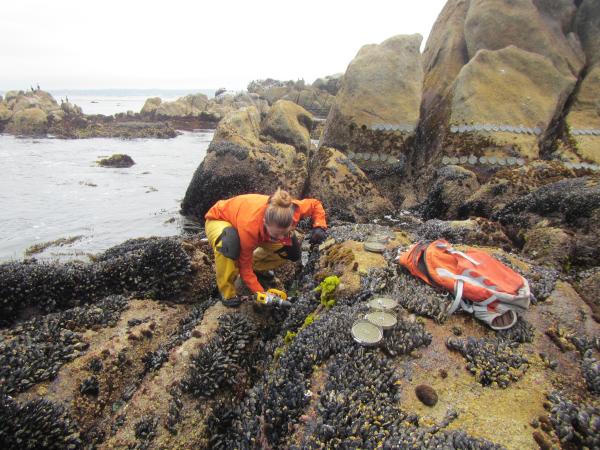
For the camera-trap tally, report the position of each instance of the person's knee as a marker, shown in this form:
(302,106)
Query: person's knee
(230,243)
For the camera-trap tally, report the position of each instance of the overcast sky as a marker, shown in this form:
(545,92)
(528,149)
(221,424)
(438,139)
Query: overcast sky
(177,44)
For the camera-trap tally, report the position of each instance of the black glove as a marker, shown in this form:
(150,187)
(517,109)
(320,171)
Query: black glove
(291,252)
(317,235)
(232,302)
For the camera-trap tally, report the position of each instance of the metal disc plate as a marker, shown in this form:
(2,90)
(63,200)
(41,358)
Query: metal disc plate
(366,333)
(383,319)
(374,247)
(383,303)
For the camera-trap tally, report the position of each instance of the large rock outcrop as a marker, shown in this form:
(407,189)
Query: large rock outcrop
(511,87)
(536,27)
(330,83)
(316,98)
(376,111)
(190,105)
(582,131)
(445,53)
(381,90)
(199,106)
(288,123)
(29,113)
(238,162)
(583,121)
(500,79)
(28,122)
(344,189)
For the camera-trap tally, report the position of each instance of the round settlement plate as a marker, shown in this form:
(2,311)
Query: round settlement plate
(382,319)
(383,303)
(366,333)
(374,247)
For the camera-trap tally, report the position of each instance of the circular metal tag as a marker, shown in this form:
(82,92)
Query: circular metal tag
(374,247)
(366,333)
(382,319)
(382,303)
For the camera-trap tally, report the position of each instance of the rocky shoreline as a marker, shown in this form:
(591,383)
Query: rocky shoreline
(149,358)
(37,113)
(477,141)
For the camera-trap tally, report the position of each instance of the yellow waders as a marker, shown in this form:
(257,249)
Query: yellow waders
(227,270)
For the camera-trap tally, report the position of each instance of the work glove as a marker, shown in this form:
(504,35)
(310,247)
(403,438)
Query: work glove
(292,252)
(317,235)
(232,302)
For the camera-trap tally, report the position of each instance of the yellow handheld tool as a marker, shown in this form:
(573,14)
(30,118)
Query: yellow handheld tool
(272,297)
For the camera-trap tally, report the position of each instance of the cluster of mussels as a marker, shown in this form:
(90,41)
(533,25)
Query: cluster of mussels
(492,361)
(590,367)
(420,298)
(153,267)
(356,408)
(36,424)
(434,229)
(584,343)
(521,332)
(575,424)
(35,350)
(267,413)
(155,359)
(145,431)
(405,337)
(358,232)
(218,363)
(542,279)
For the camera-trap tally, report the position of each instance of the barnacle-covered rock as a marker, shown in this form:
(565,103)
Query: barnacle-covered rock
(550,246)
(571,203)
(491,360)
(474,231)
(452,185)
(588,286)
(343,187)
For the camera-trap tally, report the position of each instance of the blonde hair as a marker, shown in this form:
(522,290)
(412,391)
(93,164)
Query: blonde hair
(280,211)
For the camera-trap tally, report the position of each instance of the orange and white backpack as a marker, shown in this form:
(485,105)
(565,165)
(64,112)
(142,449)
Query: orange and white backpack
(481,284)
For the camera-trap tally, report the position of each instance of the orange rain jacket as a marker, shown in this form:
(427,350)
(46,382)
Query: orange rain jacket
(246,214)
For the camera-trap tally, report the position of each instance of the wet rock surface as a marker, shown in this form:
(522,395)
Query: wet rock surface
(117,160)
(240,161)
(153,267)
(118,372)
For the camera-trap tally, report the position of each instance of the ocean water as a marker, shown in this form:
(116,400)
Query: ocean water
(53,188)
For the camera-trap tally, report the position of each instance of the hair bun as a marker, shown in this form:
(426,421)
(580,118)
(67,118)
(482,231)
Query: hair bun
(281,198)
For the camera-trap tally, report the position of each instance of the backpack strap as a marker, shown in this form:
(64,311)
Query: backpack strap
(457,298)
(453,251)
